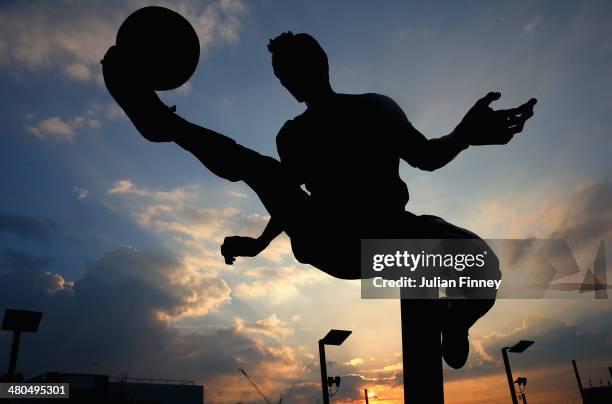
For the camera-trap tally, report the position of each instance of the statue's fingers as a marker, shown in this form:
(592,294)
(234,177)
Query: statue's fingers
(526,108)
(523,117)
(489,98)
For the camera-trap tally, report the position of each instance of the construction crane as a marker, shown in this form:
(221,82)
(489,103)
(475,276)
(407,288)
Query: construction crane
(257,388)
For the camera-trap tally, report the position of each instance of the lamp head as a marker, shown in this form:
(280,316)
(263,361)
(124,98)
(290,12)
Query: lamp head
(335,337)
(21,320)
(521,346)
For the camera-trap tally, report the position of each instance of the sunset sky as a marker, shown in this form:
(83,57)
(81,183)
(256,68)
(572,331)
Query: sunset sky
(117,239)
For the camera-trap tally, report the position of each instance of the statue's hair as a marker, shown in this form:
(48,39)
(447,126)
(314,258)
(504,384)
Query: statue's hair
(281,42)
(300,48)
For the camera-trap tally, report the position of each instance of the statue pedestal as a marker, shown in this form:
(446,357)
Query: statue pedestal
(422,350)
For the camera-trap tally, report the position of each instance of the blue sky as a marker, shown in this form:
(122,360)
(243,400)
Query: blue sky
(83,193)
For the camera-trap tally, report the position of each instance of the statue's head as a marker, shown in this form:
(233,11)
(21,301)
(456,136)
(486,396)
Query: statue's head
(300,64)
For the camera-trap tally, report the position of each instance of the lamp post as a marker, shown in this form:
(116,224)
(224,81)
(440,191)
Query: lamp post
(18,321)
(520,347)
(333,337)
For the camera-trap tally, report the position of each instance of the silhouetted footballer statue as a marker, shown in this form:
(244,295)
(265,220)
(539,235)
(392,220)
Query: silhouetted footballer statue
(345,149)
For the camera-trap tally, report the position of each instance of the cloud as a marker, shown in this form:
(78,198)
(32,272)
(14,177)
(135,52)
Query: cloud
(350,390)
(277,285)
(61,130)
(303,393)
(126,187)
(27,227)
(122,313)
(531,26)
(557,343)
(588,214)
(177,213)
(71,37)
(237,194)
(65,130)
(583,212)
(187,290)
(54,126)
(278,250)
(193,225)
(271,327)
(81,193)
(547,363)
(122,187)
(126,299)
(41,283)
(383,388)
(354,362)
(78,71)
(109,111)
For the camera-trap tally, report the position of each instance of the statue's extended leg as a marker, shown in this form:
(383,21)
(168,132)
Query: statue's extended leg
(234,162)
(281,196)
(473,303)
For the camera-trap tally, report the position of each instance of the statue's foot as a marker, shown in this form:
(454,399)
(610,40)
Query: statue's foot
(455,343)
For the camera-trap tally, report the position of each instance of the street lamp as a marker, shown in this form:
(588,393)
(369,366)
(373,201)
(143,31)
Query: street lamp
(520,347)
(334,337)
(18,321)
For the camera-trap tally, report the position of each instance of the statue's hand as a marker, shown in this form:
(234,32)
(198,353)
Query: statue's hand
(119,74)
(140,102)
(237,246)
(484,126)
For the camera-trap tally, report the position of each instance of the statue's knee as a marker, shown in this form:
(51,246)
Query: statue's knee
(301,251)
